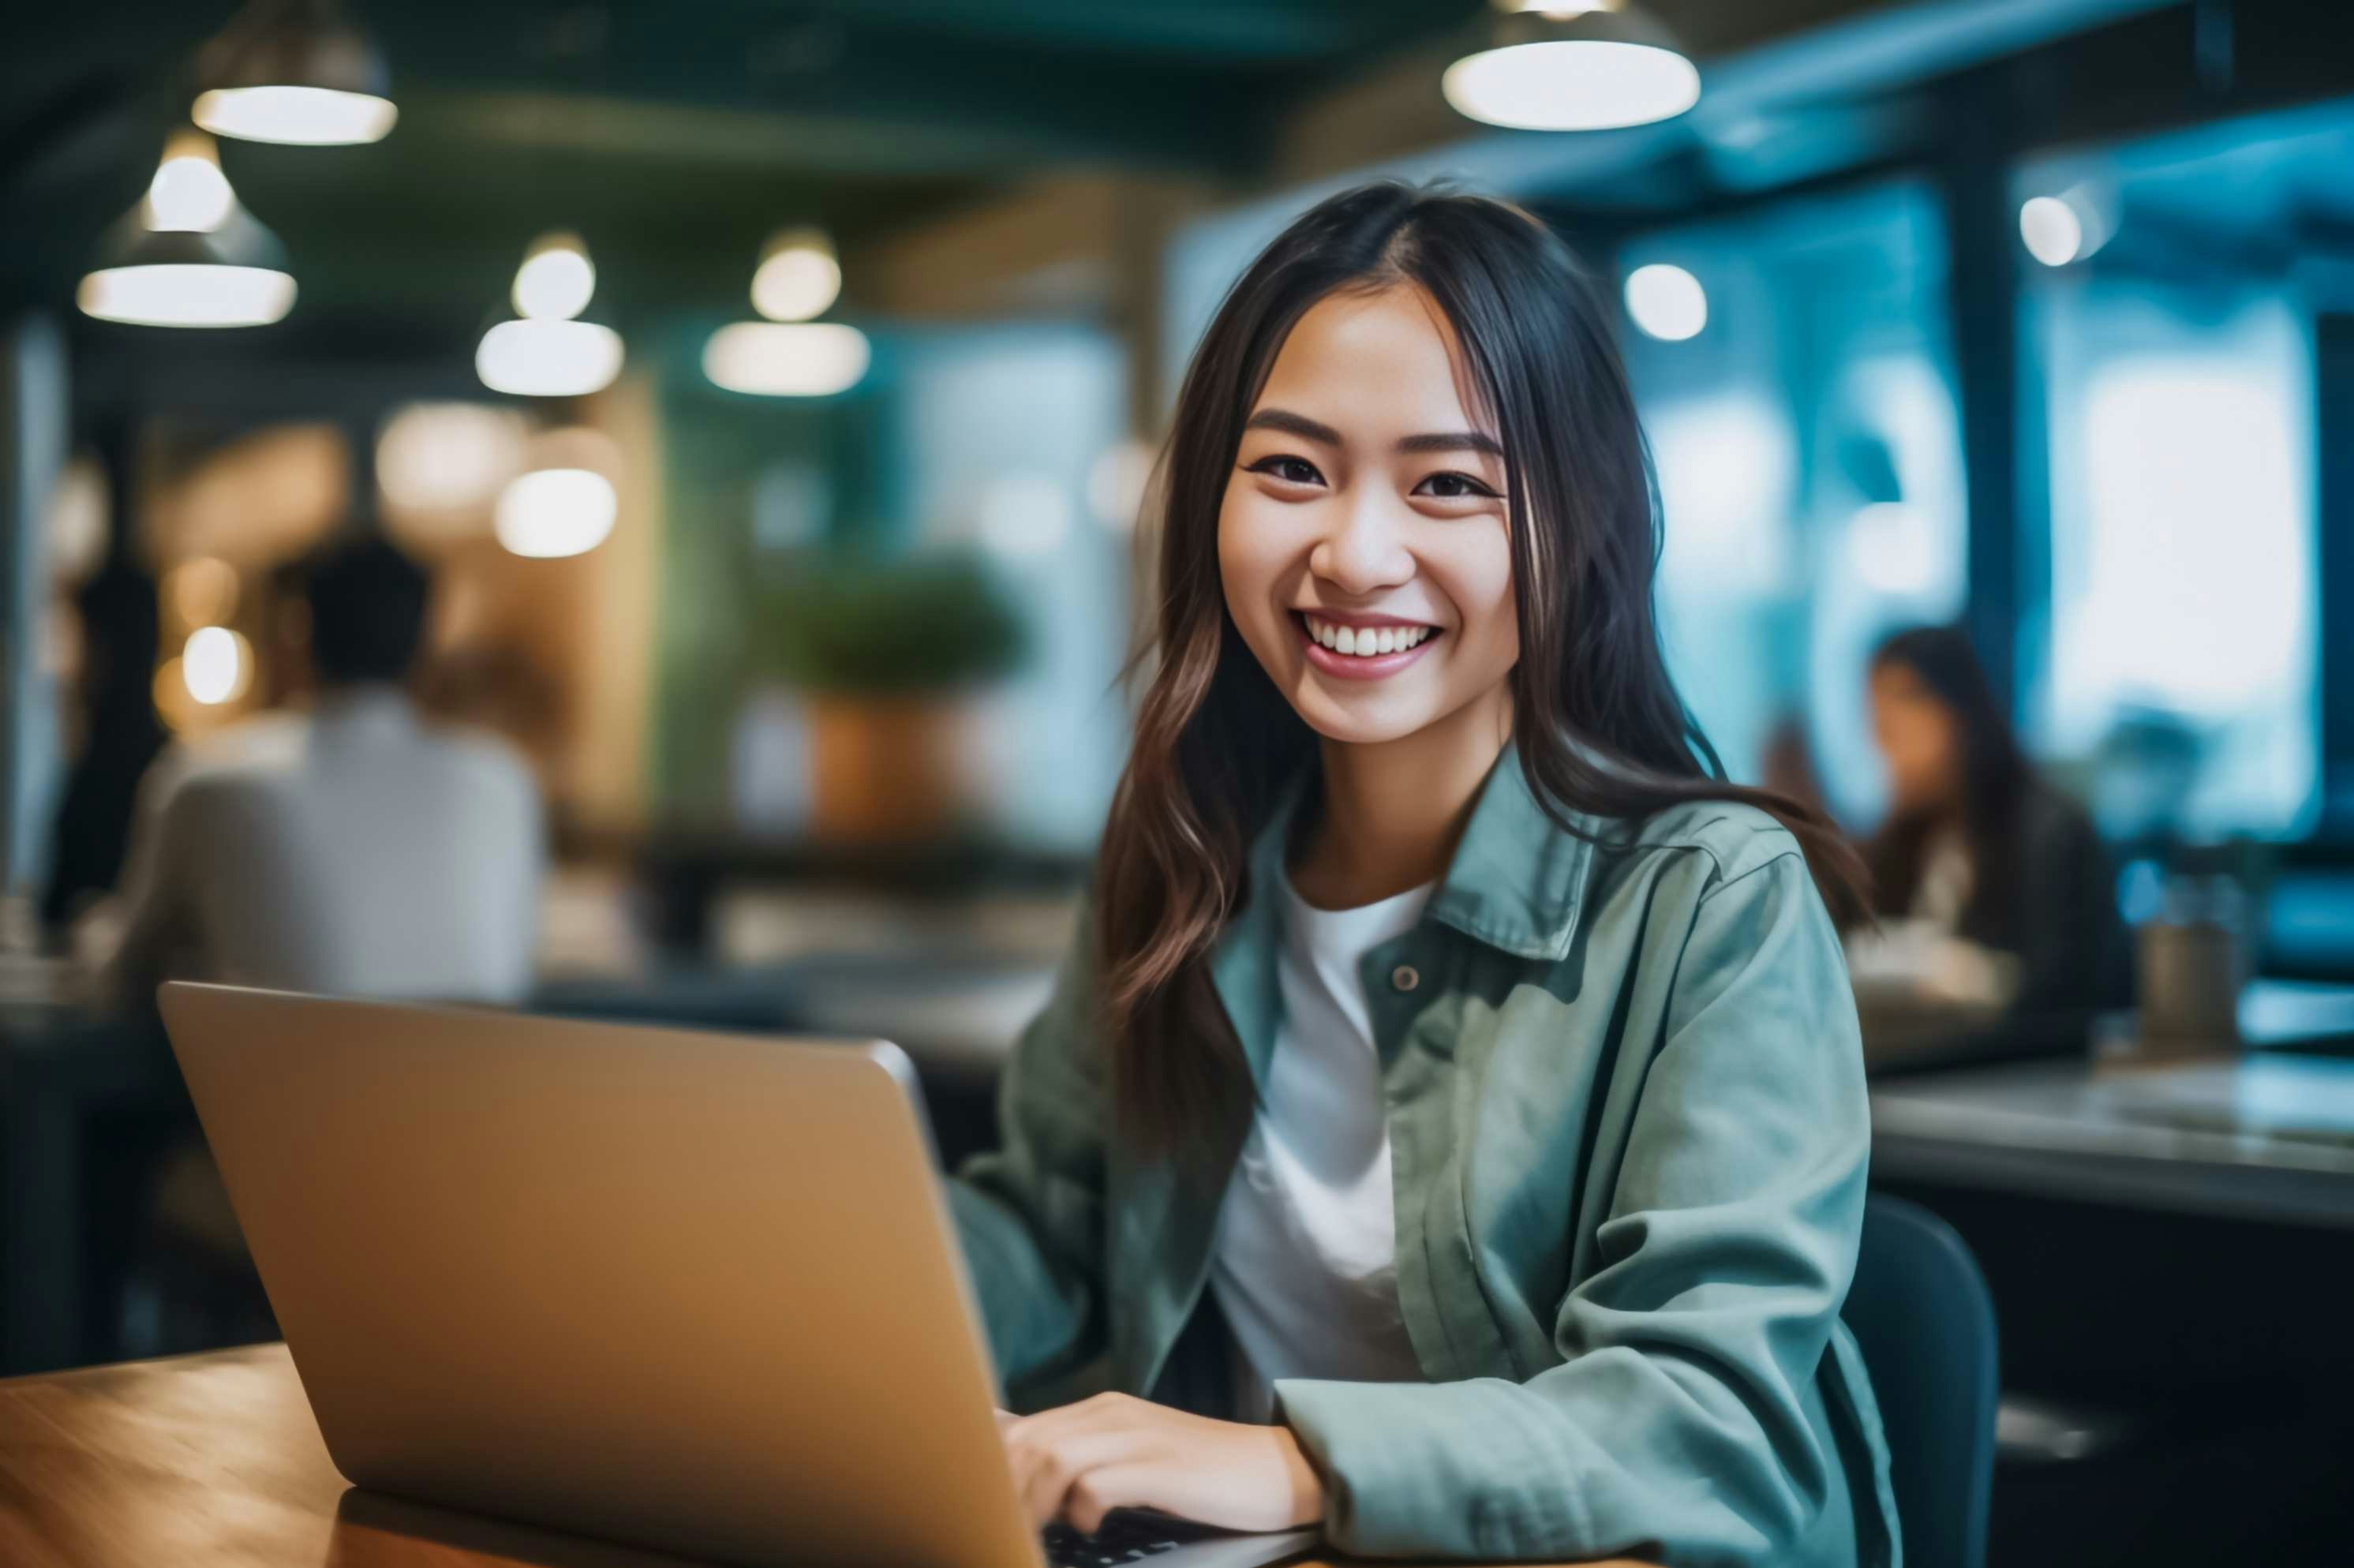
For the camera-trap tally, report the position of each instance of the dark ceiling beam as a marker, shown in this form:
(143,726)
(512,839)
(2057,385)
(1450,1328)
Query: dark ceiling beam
(1051,100)
(74,114)
(1204,29)
(770,138)
(71,83)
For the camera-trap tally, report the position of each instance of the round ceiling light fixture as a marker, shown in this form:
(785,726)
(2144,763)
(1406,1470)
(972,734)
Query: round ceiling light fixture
(1574,65)
(799,276)
(296,71)
(1667,302)
(786,359)
(545,350)
(565,502)
(789,355)
(188,255)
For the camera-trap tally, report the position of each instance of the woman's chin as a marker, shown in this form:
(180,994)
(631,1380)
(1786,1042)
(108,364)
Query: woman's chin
(1365,721)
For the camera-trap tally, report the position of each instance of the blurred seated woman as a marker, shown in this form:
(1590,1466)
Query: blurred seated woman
(1992,886)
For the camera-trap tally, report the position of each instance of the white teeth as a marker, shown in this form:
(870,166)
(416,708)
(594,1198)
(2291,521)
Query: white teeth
(1370,642)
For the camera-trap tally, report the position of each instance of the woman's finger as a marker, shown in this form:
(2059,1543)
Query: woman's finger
(1128,1484)
(1049,1458)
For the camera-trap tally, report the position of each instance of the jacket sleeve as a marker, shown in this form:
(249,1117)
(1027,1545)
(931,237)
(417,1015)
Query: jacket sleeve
(1030,1214)
(1677,1425)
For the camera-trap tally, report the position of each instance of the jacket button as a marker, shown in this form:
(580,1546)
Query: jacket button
(1405,976)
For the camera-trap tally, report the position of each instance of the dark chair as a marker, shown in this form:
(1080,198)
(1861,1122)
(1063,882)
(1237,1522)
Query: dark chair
(1920,1311)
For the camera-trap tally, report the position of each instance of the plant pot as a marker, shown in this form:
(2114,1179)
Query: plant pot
(889,769)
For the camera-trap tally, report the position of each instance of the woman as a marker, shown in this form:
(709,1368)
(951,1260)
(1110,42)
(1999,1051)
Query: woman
(1451,1110)
(1975,847)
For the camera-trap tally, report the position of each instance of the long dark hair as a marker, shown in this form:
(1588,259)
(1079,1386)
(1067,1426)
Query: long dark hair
(1598,724)
(1994,785)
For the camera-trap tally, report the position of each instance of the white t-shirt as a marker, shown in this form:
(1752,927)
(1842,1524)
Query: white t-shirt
(1305,1261)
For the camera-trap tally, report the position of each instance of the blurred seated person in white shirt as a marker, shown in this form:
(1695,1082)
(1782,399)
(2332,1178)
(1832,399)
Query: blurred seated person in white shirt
(354,849)
(1993,888)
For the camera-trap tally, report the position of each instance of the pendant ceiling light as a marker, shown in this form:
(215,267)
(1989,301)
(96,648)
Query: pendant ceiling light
(187,254)
(799,276)
(564,502)
(1574,65)
(293,70)
(545,351)
(789,355)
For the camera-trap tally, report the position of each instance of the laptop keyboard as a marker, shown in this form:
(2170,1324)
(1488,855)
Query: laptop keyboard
(1125,1538)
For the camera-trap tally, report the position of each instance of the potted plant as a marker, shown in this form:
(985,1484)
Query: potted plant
(886,649)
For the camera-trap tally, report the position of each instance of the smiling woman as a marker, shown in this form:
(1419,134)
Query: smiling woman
(1448,1126)
(1387,511)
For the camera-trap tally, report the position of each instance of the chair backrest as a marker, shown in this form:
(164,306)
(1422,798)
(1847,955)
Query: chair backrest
(1920,1311)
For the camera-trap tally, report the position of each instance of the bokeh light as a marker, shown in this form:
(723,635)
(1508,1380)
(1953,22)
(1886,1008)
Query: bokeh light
(778,359)
(1667,302)
(216,666)
(556,511)
(304,116)
(798,278)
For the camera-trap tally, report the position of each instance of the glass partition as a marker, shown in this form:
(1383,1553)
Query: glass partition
(1794,369)
(2172,321)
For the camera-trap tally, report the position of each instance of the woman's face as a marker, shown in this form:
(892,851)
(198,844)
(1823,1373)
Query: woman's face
(1918,736)
(1362,540)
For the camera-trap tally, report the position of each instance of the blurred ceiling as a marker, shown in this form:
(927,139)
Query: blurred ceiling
(675,136)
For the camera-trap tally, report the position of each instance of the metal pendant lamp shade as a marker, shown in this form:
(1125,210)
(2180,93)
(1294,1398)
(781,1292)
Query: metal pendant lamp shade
(296,71)
(187,255)
(559,343)
(1574,65)
(788,354)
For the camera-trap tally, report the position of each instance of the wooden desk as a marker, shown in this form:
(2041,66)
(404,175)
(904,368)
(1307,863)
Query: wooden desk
(214,1461)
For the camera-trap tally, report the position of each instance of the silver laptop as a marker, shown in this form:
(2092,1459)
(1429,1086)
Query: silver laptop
(695,1292)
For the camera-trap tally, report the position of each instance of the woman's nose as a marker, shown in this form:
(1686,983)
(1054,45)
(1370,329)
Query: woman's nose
(1365,550)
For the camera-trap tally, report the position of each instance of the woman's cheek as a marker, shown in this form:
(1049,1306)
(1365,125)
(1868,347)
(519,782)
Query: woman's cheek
(1250,557)
(1477,578)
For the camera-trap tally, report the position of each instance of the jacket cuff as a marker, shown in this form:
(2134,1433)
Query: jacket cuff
(1435,1469)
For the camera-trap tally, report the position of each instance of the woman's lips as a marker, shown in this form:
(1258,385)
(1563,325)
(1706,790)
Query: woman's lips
(1357,666)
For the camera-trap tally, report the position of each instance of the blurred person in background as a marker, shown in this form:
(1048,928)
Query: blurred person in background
(352,849)
(120,737)
(1421,881)
(1994,885)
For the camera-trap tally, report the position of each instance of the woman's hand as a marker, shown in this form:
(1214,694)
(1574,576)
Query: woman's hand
(1080,1462)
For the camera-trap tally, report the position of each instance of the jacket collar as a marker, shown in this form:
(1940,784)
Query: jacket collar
(1516,881)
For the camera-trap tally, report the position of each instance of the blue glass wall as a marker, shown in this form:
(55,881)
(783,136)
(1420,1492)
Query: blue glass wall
(1810,470)
(2172,327)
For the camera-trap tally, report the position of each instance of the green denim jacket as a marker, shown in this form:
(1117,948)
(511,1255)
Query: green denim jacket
(1628,1138)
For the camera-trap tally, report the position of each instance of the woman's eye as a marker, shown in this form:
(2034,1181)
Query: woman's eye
(1457,487)
(1290,470)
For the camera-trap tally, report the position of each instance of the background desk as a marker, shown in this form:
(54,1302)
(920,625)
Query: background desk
(2267,1137)
(214,1462)
(64,1072)
(2172,1251)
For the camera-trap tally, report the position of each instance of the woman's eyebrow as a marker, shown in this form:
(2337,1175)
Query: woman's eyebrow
(1300,425)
